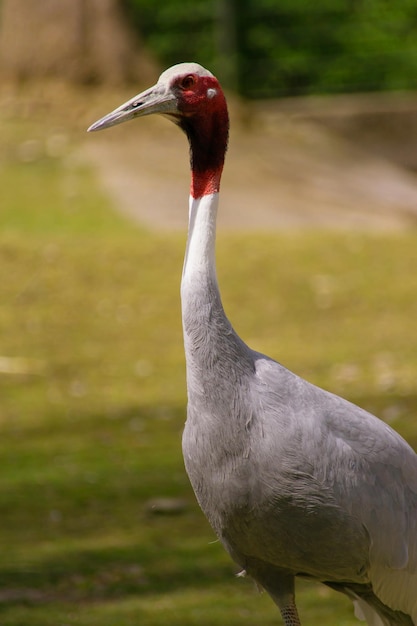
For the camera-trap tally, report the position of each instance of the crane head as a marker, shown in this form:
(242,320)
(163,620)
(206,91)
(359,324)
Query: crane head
(182,91)
(192,97)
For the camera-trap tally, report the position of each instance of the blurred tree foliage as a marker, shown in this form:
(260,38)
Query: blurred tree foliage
(290,47)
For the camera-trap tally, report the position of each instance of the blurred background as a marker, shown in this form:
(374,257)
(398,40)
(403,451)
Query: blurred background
(317,257)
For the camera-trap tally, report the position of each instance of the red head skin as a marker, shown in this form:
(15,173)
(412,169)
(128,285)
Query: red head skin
(204,118)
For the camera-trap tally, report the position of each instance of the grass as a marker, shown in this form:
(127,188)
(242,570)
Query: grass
(76,205)
(93,395)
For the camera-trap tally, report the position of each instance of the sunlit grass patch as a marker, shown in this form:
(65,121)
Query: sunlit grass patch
(69,203)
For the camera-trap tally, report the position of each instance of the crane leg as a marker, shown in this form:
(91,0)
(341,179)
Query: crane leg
(290,615)
(280,586)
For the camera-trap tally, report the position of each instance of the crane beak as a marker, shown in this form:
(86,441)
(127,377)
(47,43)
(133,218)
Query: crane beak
(157,99)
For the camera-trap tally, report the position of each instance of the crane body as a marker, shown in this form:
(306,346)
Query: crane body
(294,480)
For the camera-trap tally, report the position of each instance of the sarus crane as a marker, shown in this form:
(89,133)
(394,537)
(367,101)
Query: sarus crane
(294,480)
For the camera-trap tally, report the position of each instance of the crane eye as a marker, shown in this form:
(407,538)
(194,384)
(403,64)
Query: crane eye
(188,82)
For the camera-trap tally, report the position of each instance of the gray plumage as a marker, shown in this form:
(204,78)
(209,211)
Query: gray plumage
(294,480)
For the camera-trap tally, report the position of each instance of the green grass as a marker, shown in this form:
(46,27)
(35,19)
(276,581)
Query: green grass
(93,396)
(70,204)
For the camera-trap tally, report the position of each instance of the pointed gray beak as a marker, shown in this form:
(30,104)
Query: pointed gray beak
(157,99)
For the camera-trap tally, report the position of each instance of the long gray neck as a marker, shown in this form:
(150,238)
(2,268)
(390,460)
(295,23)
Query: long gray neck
(213,350)
(200,297)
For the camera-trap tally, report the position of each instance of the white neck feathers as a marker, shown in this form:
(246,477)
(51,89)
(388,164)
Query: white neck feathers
(200,252)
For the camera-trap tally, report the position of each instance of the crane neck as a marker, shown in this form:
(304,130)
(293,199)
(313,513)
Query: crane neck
(217,359)
(199,263)
(208,136)
(205,324)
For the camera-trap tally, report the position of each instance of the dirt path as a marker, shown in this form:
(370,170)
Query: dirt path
(278,175)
